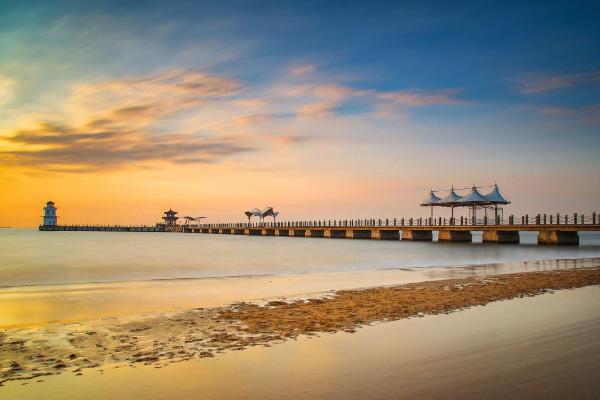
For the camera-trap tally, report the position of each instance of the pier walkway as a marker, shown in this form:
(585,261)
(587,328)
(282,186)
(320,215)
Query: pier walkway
(103,228)
(552,229)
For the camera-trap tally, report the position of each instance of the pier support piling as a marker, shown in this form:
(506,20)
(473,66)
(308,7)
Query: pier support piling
(558,237)
(338,233)
(455,236)
(317,233)
(361,234)
(501,237)
(299,232)
(386,234)
(417,235)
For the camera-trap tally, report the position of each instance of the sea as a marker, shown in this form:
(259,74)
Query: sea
(30,257)
(50,277)
(533,347)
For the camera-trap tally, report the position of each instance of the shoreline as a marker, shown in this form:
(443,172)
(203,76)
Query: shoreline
(61,285)
(167,338)
(39,305)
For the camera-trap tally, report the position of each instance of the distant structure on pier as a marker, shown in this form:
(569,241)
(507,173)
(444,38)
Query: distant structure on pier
(50,214)
(170,218)
(261,214)
(474,200)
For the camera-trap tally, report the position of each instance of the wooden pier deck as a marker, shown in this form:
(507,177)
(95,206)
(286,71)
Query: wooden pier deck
(554,229)
(102,228)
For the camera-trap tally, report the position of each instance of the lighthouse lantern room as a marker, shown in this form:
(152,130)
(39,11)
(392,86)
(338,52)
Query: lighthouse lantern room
(50,214)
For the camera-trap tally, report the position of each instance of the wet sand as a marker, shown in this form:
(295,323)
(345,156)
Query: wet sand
(545,346)
(29,354)
(24,306)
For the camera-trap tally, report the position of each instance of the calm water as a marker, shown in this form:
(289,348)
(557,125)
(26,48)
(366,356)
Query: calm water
(29,257)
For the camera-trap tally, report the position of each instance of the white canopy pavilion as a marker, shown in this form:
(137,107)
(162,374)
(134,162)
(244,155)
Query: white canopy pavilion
(430,201)
(472,200)
(495,198)
(452,200)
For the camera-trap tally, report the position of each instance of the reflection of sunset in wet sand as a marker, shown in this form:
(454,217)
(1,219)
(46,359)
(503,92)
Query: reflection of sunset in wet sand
(31,305)
(164,339)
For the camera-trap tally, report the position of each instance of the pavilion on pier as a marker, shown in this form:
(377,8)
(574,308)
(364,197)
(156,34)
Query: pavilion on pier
(474,200)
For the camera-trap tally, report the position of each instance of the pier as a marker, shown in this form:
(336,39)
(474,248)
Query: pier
(552,229)
(103,228)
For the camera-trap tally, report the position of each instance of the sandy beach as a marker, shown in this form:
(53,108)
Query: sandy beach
(31,353)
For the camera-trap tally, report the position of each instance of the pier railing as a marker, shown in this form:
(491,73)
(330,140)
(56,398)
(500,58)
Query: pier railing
(103,228)
(538,219)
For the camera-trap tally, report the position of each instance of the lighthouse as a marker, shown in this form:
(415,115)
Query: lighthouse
(50,214)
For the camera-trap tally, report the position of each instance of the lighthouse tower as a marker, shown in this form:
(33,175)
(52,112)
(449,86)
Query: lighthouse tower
(50,214)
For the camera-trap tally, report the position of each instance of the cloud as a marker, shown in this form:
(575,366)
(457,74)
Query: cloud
(251,102)
(327,98)
(143,99)
(7,89)
(558,111)
(185,116)
(592,114)
(589,114)
(287,140)
(538,84)
(253,119)
(119,122)
(316,109)
(60,148)
(302,70)
(419,98)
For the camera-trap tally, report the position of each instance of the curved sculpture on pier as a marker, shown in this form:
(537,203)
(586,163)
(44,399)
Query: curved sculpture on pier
(261,214)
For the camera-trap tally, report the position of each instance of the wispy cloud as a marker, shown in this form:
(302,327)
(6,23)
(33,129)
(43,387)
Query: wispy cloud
(543,83)
(117,123)
(593,114)
(61,148)
(420,98)
(7,87)
(302,70)
(186,116)
(144,99)
(589,114)
(327,98)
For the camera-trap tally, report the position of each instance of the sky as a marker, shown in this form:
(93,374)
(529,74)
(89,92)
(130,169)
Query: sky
(117,111)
